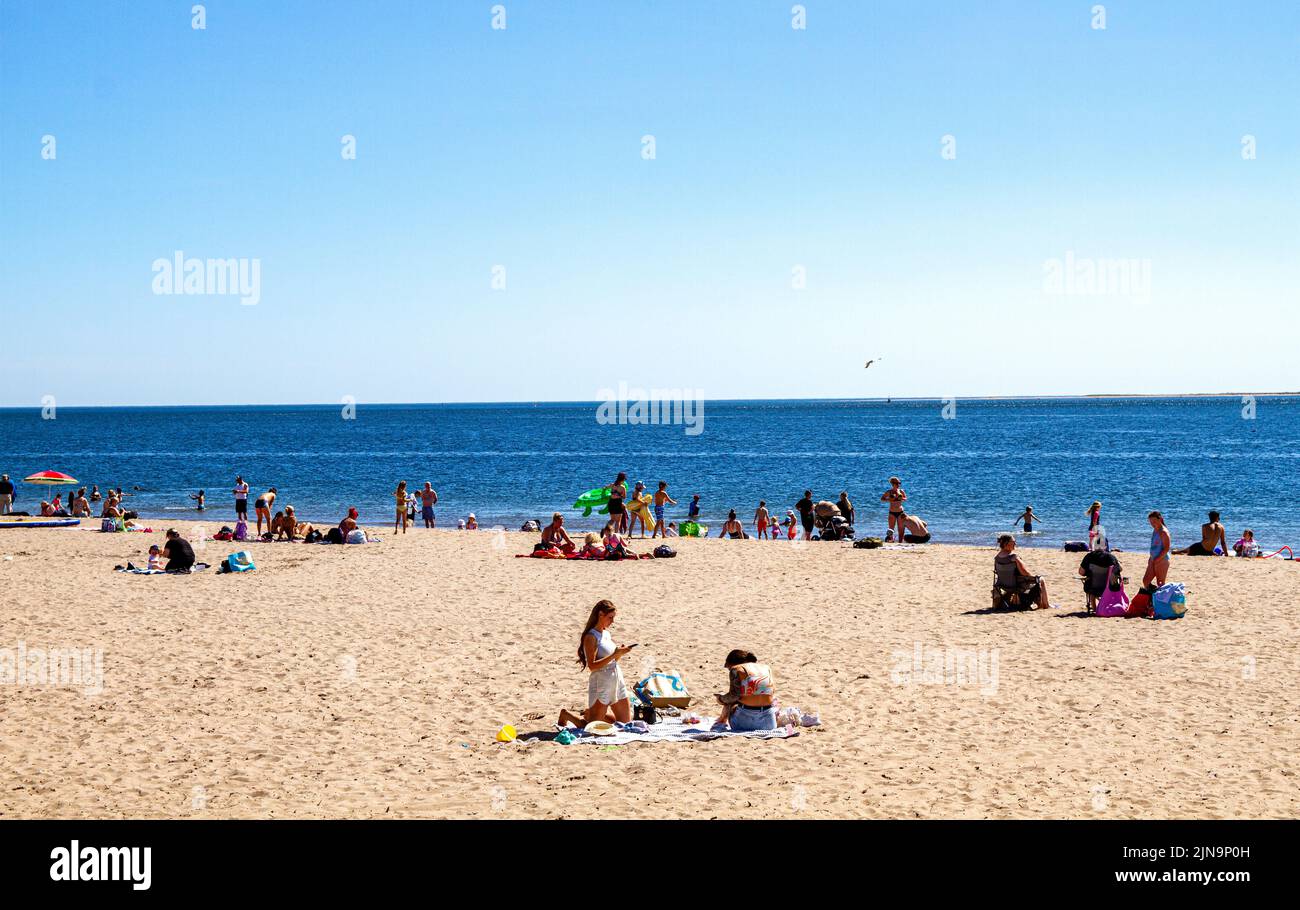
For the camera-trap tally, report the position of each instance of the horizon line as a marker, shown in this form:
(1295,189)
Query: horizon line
(536,402)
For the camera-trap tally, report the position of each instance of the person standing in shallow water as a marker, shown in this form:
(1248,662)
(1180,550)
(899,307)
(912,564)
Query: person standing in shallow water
(1027,518)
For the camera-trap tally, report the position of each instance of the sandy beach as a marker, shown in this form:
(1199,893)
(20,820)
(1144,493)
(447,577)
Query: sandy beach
(369,682)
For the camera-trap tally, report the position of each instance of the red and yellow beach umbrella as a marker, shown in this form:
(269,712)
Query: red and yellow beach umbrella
(50,478)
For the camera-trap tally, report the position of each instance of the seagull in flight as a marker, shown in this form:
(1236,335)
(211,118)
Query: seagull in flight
(870,362)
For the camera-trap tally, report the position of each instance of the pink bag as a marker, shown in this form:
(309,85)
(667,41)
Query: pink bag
(1112,603)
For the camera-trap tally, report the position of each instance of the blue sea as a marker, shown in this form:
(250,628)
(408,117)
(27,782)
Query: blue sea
(968,474)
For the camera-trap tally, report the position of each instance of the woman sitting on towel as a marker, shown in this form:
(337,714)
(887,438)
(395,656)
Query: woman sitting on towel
(554,535)
(747,704)
(606,692)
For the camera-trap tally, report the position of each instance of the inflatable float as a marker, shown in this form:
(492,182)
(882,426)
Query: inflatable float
(38,522)
(593,499)
(693,529)
(640,507)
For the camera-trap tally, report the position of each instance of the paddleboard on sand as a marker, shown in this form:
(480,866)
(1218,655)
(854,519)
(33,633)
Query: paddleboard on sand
(38,522)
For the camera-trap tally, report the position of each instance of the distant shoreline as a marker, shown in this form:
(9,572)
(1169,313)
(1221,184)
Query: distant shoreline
(1091,396)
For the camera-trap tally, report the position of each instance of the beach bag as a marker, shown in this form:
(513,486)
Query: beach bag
(239,562)
(663,551)
(1140,605)
(1169,602)
(241,530)
(663,690)
(312,536)
(356,536)
(1113,602)
(111,524)
(1076,546)
(224,534)
(334,535)
(867,543)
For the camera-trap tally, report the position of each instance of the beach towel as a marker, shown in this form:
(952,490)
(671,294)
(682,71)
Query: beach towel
(671,730)
(136,570)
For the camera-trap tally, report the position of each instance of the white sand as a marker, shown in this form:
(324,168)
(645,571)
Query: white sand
(369,682)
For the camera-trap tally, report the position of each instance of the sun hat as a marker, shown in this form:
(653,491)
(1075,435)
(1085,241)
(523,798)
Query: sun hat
(601,728)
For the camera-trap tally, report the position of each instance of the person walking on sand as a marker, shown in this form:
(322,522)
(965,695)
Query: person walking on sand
(895,496)
(265,503)
(241,499)
(661,497)
(1161,544)
(7,489)
(761,519)
(428,499)
(400,495)
(1027,518)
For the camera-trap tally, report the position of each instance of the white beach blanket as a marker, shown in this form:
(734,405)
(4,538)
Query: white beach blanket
(676,732)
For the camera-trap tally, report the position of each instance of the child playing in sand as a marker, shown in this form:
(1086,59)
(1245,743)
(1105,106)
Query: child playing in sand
(672,529)
(471,523)
(155,558)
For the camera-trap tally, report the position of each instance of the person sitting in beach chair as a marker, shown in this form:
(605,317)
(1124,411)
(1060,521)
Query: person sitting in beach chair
(1014,586)
(1096,569)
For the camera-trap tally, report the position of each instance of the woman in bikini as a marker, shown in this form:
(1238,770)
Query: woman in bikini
(399,521)
(895,496)
(263,507)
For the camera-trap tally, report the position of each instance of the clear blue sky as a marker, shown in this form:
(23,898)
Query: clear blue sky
(522,147)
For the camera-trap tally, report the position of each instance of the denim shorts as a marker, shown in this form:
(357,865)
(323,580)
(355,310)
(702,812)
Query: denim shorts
(745,718)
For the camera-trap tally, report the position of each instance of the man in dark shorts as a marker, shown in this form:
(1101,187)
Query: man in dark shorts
(1212,535)
(913,528)
(241,498)
(6,494)
(805,507)
(179,553)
